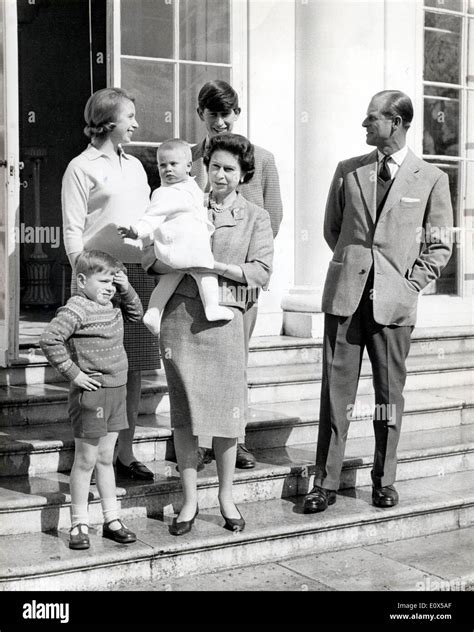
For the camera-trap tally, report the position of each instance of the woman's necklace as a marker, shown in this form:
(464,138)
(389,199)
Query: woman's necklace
(220,208)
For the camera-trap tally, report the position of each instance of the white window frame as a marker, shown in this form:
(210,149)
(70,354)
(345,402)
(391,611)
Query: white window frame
(237,65)
(462,159)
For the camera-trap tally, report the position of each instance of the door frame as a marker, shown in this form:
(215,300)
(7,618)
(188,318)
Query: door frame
(9,345)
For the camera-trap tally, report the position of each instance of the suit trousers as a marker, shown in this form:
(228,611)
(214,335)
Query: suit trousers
(249,320)
(344,341)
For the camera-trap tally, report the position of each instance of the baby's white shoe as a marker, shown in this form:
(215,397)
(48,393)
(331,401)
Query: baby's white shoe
(217,312)
(152,320)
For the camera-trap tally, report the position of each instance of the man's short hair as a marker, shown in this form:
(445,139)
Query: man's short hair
(218,96)
(176,143)
(397,103)
(96,262)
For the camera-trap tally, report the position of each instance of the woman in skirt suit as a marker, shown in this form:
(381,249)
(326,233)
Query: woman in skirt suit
(205,361)
(103,188)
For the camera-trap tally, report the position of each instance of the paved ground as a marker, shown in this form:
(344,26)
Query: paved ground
(439,562)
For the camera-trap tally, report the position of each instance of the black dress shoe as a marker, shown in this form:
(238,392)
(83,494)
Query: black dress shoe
(135,471)
(122,535)
(244,459)
(384,496)
(234,524)
(204,456)
(185,526)
(81,539)
(318,500)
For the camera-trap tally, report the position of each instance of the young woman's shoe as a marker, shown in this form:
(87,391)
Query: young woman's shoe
(122,535)
(234,524)
(185,526)
(81,539)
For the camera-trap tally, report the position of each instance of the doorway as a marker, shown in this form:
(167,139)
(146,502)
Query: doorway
(62,59)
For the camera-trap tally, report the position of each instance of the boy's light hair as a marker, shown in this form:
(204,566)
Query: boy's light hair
(96,262)
(176,143)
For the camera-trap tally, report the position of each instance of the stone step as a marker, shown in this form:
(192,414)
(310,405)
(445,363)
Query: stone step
(37,403)
(41,501)
(32,367)
(49,447)
(440,561)
(290,423)
(276,529)
(303,381)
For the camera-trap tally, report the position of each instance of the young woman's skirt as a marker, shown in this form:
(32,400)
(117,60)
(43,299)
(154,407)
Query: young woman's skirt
(205,369)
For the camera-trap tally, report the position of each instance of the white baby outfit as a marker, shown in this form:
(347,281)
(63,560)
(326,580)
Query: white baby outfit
(181,232)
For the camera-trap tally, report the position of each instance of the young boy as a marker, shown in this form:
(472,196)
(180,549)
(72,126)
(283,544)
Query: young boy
(181,234)
(84,342)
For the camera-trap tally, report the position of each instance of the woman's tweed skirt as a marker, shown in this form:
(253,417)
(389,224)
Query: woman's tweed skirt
(141,346)
(205,369)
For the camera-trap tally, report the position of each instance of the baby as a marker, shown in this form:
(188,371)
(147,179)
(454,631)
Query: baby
(181,234)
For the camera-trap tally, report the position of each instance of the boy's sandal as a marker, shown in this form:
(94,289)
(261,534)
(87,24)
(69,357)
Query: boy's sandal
(81,539)
(122,535)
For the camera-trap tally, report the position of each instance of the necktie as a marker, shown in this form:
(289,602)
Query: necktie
(384,173)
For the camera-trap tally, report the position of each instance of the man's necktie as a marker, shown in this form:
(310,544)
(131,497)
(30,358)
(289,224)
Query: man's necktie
(384,173)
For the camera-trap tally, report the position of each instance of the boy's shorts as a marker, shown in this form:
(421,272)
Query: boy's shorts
(95,413)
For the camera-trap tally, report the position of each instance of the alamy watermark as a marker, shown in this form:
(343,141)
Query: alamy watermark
(25,234)
(442,234)
(429,583)
(377,412)
(231,294)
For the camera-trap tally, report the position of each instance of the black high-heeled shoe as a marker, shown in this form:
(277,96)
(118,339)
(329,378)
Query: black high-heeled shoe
(185,526)
(234,524)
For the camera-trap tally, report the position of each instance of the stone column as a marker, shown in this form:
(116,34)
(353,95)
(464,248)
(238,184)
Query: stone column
(339,65)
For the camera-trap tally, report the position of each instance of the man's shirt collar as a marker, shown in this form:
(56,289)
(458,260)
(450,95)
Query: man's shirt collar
(398,157)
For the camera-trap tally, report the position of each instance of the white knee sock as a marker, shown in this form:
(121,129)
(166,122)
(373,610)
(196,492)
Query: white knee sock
(110,509)
(79,515)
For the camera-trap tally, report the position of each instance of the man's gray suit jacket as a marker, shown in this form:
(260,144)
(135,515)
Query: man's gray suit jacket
(408,246)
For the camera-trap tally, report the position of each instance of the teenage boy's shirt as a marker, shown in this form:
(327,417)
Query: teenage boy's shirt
(262,190)
(85,336)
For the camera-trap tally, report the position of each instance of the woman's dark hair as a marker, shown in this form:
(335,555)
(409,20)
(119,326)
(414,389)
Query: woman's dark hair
(237,145)
(218,96)
(101,110)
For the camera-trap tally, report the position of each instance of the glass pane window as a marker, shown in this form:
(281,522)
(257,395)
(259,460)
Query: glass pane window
(447,283)
(470,58)
(204,30)
(192,77)
(442,48)
(152,85)
(147,28)
(450,5)
(185,43)
(470,126)
(441,126)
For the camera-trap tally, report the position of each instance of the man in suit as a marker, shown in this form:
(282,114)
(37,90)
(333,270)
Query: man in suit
(218,108)
(382,221)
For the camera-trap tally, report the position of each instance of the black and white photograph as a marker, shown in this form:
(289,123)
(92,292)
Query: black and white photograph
(284,402)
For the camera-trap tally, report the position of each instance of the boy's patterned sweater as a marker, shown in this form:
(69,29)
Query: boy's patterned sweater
(85,336)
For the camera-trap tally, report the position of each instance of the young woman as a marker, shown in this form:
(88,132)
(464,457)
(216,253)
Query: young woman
(205,361)
(103,188)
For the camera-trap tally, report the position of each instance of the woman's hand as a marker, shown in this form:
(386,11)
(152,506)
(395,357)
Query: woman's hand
(227,270)
(86,382)
(121,281)
(198,271)
(127,233)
